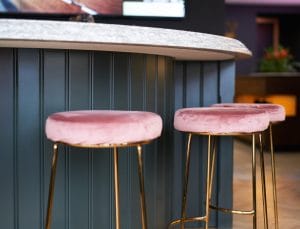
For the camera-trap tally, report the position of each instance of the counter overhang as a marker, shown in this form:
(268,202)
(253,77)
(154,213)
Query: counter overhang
(181,45)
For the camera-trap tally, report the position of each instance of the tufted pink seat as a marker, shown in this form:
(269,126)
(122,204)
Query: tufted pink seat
(103,127)
(275,111)
(220,120)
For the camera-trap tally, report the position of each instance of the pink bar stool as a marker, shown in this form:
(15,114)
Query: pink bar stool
(103,129)
(214,122)
(276,114)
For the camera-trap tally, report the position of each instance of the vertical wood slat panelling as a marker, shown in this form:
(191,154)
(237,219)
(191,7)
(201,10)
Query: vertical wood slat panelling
(54,100)
(210,83)
(168,141)
(137,102)
(161,162)
(8,190)
(178,156)
(193,97)
(102,169)
(79,80)
(57,80)
(121,102)
(150,158)
(225,160)
(28,142)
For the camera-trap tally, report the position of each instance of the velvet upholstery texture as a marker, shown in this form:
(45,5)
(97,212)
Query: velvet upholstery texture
(220,120)
(94,127)
(275,111)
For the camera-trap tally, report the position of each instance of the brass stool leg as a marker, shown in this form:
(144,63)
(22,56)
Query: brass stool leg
(142,188)
(208,183)
(51,186)
(186,181)
(263,182)
(212,173)
(274,186)
(116,180)
(254,182)
(212,166)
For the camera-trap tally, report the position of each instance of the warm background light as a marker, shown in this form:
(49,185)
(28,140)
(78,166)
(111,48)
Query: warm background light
(288,101)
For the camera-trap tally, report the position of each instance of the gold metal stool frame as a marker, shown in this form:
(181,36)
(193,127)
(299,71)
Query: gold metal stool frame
(211,157)
(273,165)
(116,179)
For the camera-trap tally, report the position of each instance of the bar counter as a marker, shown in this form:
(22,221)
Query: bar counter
(182,45)
(50,66)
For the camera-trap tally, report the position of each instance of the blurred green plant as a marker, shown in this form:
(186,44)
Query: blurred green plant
(279,60)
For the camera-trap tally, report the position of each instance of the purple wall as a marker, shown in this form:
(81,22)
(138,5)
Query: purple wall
(255,39)
(264,2)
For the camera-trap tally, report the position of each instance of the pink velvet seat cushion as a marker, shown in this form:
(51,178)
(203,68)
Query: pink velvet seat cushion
(103,127)
(221,120)
(275,111)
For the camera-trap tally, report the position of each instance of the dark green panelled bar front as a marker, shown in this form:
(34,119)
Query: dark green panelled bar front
(35,82)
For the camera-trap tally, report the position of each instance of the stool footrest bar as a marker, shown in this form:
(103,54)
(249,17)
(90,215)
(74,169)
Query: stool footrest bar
(232,211)
(187,220)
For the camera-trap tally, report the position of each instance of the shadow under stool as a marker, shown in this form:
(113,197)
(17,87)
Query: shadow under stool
(276,114)
(215,122)
(103,129)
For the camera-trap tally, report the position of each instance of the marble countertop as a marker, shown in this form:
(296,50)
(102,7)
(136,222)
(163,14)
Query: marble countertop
(181,45)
